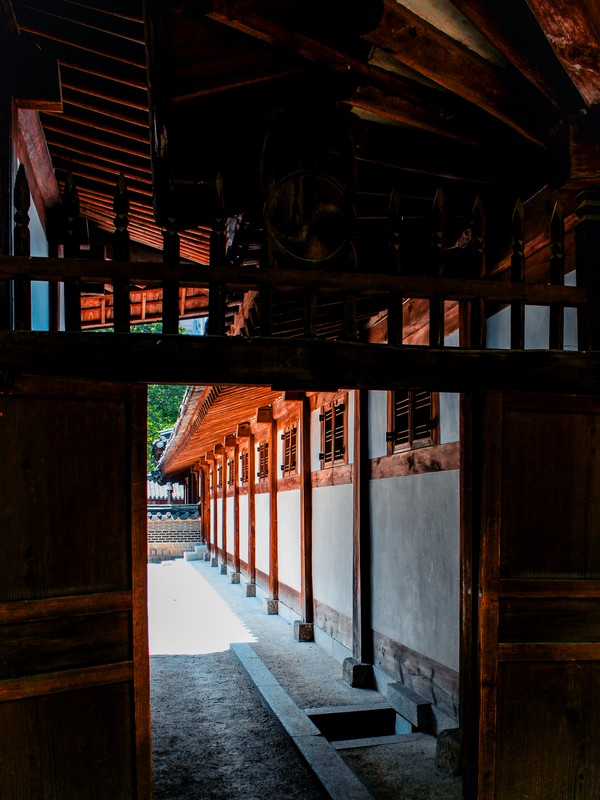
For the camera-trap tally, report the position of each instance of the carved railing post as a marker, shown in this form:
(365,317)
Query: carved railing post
(216,291)
(436,304)
(71,250)
(22,286)
(171,256)
(395,228)
(121,309)
(517,275)
(557,276)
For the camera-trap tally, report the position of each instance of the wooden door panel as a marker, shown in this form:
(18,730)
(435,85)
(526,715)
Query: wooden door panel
(74,696)
(539,599)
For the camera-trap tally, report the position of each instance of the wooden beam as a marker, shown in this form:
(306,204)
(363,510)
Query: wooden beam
(416,105)
(434,54)
(572,27)
(294,364)
(513,34)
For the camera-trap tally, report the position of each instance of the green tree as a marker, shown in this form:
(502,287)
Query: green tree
(163,409)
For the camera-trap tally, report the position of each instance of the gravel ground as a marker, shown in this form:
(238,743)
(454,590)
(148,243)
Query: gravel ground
(213,738)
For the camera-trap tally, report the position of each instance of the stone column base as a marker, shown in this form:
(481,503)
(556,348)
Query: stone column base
(271,605)
(214,562)
(303,631)
(234,577)
(250,590)
(223,569)
(207,556)
(358,675)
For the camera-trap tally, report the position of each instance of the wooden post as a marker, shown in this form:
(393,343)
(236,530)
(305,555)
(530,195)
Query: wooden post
(215,548)
(476,318)
(121,310)
(517,275)
(206,505)
(305,627)
(8,127)
(220,454)
(394,319)
(557,276)
(71,247)
(358,670)
(273,529)
(236,510)
(171,255)
(251,516)
(587,242)
(218,242)
(21,247)
(395,228)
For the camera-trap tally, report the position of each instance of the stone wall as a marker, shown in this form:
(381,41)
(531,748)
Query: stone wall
(169,538)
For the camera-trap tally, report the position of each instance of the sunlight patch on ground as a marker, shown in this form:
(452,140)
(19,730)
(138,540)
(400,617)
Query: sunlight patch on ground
(185,614)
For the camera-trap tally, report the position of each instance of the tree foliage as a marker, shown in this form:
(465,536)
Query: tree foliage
(163,409)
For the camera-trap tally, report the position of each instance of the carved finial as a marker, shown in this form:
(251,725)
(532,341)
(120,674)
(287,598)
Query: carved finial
(478,238)
(438,227)
(518,246)
(395,226)
(22,201)
(557,238)
(121,220)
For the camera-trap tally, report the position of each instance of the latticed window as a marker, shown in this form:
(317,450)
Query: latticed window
(263,461)
(333,434)
(412,419)
(230,475)
(219,477)
(290,448)
(244,468)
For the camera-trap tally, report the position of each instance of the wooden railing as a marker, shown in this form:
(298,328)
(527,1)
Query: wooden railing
(465,299)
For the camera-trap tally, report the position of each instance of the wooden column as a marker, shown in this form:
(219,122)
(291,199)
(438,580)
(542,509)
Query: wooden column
(21,247)
(205,473)
(303,630)
(215,548)
(232,449)
(7,125)
(273,530)
(251,588)
(220,453)
(358,670)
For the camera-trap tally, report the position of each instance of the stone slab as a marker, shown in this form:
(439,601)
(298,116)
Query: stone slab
(250,590)
(271,605)
(303,631)
(358,675)
(234,577)
(410,705)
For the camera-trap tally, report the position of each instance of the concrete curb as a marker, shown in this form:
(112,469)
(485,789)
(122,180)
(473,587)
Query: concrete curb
(331,770)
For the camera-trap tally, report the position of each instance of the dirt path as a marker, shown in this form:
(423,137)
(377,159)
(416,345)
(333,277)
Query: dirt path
(212,737)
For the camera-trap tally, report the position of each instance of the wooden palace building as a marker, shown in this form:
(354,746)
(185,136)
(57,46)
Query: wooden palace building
(387,215)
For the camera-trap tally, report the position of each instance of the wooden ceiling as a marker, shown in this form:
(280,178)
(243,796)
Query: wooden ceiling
(102,128)
(467,95)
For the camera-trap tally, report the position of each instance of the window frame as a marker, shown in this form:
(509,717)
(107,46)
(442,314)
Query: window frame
(244,470)
(414,441)
(262,461)
(331,455)
(289,457)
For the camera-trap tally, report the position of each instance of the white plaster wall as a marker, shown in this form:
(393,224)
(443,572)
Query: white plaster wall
(288,538)
(537,320)
(230,525)
(415,562)
(378,423)
(244,527)
(449,417)
(332,546)
(219,522)
(262,532)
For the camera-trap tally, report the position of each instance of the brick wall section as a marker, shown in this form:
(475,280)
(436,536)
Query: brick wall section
(169,538)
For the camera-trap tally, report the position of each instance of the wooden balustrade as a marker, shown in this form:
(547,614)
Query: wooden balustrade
(312,303)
